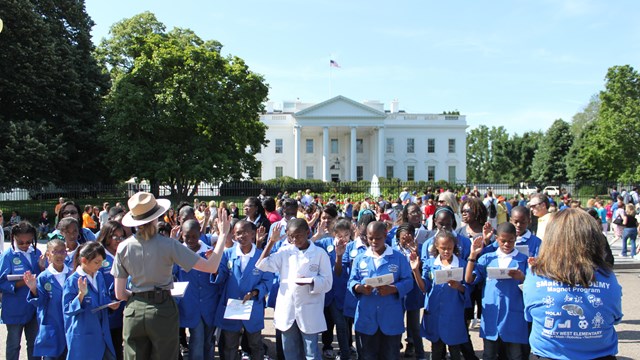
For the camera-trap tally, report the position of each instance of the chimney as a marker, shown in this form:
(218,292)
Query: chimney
(395,106)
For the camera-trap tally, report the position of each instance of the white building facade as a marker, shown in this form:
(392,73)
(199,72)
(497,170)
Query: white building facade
(344,140)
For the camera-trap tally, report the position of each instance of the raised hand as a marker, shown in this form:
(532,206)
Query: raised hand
(82,286)
(42,262)
(224,222)
(261,234)
(476,248)
(341,247)
(276,232)
(174,232)
(30,280)
(414,260)
(487,231)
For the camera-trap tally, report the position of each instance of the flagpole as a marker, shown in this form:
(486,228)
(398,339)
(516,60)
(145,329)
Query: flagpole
(330,80)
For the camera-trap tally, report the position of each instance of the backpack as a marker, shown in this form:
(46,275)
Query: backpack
(493,212)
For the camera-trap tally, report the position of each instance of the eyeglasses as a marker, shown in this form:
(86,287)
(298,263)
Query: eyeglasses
(441,201)
(119,238)
(534,205)
(465,211)
(69,212)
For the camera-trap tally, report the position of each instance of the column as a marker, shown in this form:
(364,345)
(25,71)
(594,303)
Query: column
(353,156)
(381,149)
(325,153)
(297,132)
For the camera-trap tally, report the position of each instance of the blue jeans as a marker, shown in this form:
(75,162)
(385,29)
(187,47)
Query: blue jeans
(380,346)
(629,233)
(298,345)
(14,335)
(413,332)
(201,341)
(335,317)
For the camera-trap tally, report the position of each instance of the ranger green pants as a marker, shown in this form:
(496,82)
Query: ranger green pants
(150,330)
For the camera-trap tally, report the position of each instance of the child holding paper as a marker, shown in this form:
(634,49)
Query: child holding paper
(379,312)
(305,276)
(242,281)
(443,321)
(502,324)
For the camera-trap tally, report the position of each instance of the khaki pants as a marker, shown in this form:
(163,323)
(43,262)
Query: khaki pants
(150,330)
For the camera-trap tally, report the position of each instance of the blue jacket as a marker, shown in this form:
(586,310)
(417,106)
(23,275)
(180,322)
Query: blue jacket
(350,254)
(373,311)
(502,304)
(415,298)
(339,287)
(588,314)
(15,309)
(532,243)
(444,308)
(200,299)
(87,333)
(115,316)
(464,247)
(236,284)
(50,340)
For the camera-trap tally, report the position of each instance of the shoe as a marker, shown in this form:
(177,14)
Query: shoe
(409,351)
(245,356)
(328,354)
(354,353)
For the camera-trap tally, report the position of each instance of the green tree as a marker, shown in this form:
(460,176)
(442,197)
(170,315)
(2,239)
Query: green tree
(478,154)
(179,112)
(607,149)
(500,160)
(585,117)
(523,151)
(549,162)
(50,88)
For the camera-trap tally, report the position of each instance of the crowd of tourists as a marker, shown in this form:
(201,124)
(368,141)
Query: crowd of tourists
(533,273)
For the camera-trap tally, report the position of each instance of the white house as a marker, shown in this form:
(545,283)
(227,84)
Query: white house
(342,139)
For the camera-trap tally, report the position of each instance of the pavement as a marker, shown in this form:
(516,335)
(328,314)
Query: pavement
(626,269)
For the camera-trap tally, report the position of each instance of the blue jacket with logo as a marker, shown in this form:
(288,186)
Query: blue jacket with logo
(350,254)
(15,309)
(339,287)
(373,311)
(87,332)
(201,298)
(236,284)
(50,341)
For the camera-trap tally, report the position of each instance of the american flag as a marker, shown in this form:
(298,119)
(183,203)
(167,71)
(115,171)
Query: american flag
(332,63)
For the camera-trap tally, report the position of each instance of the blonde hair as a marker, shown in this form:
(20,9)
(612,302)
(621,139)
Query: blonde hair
(630,210)
(573,249)
(591,202)
(148,230)
(450,199)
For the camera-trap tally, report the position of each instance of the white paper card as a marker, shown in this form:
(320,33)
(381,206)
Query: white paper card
(236,310)
(523,249)
(303,280)
(15,277)
(179,288)
(499,273)
(443,276)
(386,279)
(95,310)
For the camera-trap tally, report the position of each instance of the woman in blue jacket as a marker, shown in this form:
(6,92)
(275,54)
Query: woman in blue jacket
(87,328)
(572,290)
(241,280)
(46,296)
(17,314)
(379,313)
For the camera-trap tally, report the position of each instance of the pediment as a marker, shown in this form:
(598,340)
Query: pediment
(340,107)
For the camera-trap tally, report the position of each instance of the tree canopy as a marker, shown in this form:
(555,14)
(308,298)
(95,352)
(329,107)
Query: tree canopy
(179,112)
(50,89)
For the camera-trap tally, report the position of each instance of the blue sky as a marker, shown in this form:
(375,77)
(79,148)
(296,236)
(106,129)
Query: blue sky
(517,64)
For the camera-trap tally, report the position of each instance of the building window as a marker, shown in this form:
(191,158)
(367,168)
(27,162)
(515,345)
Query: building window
(431,173)
(309,146)
(309,172)
(334,146)
(390,145)
(279,172)
(452,146)
(389,171)
(411,145)
(411,173)
(359,173)
(431,146)
(452,174)
(278,146)
(359,146)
